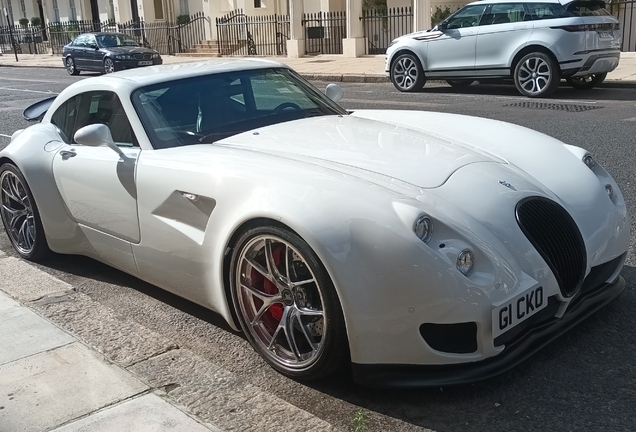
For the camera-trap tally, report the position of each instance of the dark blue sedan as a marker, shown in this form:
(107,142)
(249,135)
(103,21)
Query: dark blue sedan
(107,52)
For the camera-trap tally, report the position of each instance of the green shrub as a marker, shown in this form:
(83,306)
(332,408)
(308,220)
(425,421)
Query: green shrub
(24,22)
(183,19)
(36,21)
(439,15)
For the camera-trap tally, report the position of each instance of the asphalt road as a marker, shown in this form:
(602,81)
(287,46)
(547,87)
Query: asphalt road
(584,381)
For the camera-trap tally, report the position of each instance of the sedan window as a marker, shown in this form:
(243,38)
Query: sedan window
(209,108)
(111,40)
(466,17)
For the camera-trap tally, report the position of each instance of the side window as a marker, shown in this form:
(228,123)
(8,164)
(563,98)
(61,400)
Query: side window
(541,11)
(89,41)
(467,17)
(274,91)
(502,13)
(91,108)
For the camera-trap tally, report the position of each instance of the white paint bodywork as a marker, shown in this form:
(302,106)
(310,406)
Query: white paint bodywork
(351,187)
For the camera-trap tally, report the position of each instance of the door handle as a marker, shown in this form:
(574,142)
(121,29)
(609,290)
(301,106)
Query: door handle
(67,154)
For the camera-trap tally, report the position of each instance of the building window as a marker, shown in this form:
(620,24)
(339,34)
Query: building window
(56,11)
(258,4)
(111,10)
(9,11)
(158,9)
(183,7)
(23,8)
(73,13)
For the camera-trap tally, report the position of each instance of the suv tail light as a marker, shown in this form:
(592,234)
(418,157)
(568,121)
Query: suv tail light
(588,27)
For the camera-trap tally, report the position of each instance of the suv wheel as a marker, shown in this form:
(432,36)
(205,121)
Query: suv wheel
(586,82)
(537,75)
(407,74)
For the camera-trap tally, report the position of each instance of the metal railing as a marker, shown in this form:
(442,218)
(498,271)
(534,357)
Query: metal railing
(324,32)
(625,12)
(381,26)
(263,35)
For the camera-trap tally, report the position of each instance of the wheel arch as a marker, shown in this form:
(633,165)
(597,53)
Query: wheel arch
(527,50)
(406,51)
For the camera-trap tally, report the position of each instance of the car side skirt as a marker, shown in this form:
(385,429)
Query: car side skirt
(418,376)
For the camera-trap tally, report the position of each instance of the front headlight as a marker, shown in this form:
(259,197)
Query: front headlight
(465,262)
(156,56)
(588,160)
(423,228)
(393,42)
(124,57)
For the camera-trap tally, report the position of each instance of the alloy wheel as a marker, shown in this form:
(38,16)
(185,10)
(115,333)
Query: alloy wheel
(109,66)
(281,302)
(534,75)
(17,213)
(405,73)
(70,67)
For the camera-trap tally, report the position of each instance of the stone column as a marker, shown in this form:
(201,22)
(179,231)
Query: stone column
(296,42)
(355,44)
(421,15)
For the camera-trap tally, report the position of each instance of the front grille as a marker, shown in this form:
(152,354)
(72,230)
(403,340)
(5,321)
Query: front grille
(460,338)
(143,56)
(554,234)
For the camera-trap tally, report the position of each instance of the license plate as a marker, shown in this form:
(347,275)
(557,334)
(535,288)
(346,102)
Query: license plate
(145,63)
(517,310)
(605,34)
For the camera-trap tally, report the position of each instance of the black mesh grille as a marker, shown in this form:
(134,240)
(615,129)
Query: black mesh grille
(554,234)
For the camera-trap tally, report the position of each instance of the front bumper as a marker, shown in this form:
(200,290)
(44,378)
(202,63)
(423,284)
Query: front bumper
(415,376)
(130,64)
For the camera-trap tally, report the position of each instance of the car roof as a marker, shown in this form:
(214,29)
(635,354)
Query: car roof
(137,77)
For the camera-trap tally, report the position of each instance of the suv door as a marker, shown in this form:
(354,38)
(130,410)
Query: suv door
(453,52)
(505,27)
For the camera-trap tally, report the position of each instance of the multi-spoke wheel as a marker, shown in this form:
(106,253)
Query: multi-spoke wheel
(537,75)
(20,215)
(70,66)
(109,66)
(286,303)
(586,82)
(407,74)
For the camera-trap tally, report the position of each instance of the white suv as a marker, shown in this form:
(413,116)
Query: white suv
(534,42)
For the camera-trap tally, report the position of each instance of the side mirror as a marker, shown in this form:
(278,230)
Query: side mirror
(334,92)
(97,135)
(94,46)
(442,26)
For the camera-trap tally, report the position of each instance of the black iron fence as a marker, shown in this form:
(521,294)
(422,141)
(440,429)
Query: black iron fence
(165,37)
(381,26)
(263,35)
(324,32)
(625,12)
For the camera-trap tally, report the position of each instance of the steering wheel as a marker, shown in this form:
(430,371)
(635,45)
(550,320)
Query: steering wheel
(286,105)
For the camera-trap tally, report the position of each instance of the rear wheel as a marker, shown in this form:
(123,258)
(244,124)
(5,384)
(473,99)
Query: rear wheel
(286,304)
(586,82)
(70,66)
(459,83)
(407,74)
(109,66)
(537,75)
(20,215)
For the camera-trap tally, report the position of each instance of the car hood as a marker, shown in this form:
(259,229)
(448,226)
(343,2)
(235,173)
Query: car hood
(129,50)
(364,147)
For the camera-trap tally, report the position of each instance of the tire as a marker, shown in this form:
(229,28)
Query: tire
(587,82)
(70,66)
(20,215)
(301,332)
(459,83)
(407,74)
(109,66)
(537,75)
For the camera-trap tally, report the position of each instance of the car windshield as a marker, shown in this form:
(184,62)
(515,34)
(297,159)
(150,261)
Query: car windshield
(115,40)
(588,8)
(209,108)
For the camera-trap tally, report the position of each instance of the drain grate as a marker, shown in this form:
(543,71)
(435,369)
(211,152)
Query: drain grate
(554,106)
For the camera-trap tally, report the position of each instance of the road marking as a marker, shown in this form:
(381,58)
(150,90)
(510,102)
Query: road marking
(630,119)
(4,78)
(49,92)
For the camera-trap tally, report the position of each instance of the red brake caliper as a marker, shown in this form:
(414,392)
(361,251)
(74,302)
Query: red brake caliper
(274,314)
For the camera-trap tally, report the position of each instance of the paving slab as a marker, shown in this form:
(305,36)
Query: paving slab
(49,389)
(14,274)
(148,413)
(24,333)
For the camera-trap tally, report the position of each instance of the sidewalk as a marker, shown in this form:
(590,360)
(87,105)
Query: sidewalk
(325,67)
(50,381)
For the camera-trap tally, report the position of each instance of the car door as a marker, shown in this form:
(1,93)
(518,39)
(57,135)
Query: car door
(79,52)
(97,185)
(505,27)
(453,53)
(93,54)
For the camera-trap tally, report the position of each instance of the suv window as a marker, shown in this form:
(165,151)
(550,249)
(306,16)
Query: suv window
(466,17)
(91,108)
(502,13)
(542,11)
(588,8)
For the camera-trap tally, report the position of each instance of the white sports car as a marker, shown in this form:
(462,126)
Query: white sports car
(421,248)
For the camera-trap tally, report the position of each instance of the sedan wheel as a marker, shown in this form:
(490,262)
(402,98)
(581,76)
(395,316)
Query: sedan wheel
(586,82)
(109,66)
(70,66)
(20,215)
(537,75)
(286,304)
(407,74)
